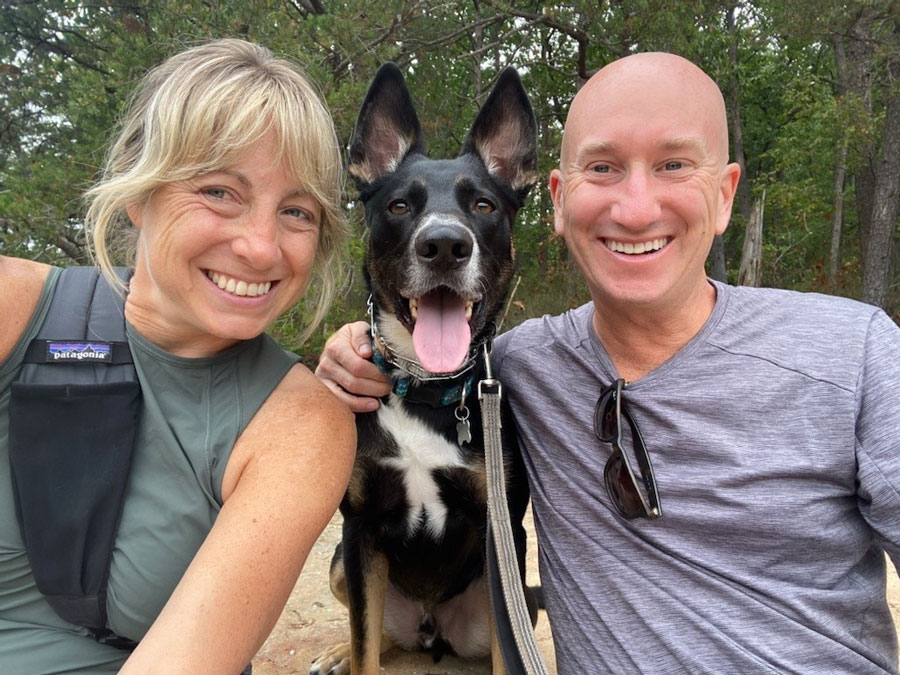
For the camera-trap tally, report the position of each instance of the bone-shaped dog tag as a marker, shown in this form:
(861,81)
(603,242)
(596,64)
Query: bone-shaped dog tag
(463,432)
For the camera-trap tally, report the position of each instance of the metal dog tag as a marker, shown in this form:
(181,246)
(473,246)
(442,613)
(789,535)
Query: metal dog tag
(463,428)
(463,432)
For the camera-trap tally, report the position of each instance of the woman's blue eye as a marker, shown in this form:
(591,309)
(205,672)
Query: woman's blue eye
(673,166)
(601,168)
(216,193)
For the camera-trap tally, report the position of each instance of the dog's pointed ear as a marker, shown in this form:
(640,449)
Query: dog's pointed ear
(504,134)
(387,128)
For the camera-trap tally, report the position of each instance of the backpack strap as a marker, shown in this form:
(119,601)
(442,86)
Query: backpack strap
(73,418)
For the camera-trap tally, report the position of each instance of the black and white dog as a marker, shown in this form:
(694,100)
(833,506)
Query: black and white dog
(411,565)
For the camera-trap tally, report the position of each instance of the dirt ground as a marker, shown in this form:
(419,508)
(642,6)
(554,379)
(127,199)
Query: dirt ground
(313,620)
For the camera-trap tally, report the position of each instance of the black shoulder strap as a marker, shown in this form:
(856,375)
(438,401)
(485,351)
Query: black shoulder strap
(73,417)
(85,324)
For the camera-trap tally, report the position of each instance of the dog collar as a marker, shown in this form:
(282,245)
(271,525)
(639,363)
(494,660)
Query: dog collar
(431,392)
(409,366)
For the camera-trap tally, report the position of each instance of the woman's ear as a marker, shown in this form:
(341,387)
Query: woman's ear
(135,213)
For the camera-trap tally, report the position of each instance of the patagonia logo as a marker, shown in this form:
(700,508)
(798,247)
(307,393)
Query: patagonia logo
(65,351)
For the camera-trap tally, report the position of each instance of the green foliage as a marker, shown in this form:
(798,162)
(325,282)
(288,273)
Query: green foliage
(66,69)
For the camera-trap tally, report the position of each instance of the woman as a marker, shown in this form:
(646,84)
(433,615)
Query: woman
(228,169)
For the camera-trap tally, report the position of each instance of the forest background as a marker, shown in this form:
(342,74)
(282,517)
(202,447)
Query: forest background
(812,89)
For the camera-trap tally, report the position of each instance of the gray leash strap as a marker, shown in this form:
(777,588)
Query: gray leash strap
(500,540)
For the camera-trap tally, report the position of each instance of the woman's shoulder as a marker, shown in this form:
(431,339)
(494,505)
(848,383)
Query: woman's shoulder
(303,397)
(22,282)
(300,423)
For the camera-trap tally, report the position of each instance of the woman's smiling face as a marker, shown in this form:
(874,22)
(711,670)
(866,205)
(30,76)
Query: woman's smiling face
(222,255)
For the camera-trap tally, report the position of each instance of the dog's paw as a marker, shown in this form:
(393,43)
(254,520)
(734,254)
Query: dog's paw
(334,661)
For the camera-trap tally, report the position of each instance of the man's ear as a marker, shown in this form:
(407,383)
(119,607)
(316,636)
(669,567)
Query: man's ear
(135,213)
(727,189)
(556,194)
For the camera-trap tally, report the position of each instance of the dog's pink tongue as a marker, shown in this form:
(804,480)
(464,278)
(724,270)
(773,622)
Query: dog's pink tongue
(441,335)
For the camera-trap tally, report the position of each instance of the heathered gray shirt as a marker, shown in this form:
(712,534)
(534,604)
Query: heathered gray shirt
(775,439)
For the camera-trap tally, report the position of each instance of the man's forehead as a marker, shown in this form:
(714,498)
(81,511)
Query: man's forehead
(592,147)
(651,97)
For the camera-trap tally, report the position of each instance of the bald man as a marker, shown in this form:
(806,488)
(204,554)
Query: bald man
(715,470)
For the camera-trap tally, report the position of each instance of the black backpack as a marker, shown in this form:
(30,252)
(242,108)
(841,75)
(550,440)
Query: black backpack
(73,417)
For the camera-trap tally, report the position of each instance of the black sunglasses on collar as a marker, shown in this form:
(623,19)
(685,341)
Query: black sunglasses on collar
(631,498)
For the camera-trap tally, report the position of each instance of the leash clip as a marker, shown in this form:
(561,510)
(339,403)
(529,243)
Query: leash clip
(488,386)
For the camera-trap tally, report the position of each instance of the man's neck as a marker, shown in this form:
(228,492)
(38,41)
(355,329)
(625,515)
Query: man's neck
(640,339)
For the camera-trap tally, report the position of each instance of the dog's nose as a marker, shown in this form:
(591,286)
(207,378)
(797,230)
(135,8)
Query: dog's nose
(444,246)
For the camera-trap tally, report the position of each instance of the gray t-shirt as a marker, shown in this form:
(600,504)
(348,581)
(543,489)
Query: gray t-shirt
(775,440)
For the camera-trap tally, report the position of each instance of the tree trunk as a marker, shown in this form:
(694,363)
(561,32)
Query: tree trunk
(860,48)
(837,212)
(840,164)
(717,269)
(717,266)
(745,201)
(877,254)
(751,259)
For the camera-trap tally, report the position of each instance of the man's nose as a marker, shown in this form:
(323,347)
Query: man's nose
(258,242)
(636,205)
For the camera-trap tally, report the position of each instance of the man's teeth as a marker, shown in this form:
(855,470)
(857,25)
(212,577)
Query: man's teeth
(414,308)
(238,287)
(640,247)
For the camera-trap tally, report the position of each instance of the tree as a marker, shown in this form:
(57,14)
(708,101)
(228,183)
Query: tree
(886,198)
(807,85)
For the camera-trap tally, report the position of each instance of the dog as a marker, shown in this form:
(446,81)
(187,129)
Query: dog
(411,563)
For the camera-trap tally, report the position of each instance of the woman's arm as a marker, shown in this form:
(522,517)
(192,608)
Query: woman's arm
(22,282)
(283,483)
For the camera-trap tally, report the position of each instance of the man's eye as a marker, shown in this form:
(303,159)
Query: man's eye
(674,166)
(484,207)
(398,207)
(600,168)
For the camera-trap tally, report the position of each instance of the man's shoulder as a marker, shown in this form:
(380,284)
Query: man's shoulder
(820,335)
(796,310)
(568,328)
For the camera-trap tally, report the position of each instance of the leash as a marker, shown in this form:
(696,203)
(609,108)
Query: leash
(514,630)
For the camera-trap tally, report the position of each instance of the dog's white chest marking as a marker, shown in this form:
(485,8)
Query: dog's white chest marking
(421,451)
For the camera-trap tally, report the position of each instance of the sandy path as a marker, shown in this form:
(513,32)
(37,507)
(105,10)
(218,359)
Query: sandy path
(313,620)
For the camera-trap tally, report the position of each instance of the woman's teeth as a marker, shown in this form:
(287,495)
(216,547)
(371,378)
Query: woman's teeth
(640,247)
(237,287)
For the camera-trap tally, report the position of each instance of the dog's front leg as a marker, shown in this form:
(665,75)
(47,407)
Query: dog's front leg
(367,578)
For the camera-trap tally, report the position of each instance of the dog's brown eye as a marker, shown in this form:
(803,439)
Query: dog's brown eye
(398,207)
(483,206)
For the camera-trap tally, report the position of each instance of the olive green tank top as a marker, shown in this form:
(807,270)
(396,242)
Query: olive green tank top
(193,411)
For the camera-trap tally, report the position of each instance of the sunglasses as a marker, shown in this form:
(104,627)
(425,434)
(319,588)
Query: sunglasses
(631,498)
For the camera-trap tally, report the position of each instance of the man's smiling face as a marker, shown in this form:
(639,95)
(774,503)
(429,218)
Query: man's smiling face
(643,185)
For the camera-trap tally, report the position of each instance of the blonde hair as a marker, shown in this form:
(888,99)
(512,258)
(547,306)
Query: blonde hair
(198,112)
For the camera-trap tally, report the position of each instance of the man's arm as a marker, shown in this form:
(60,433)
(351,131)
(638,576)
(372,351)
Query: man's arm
(346,369)
(877,438)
